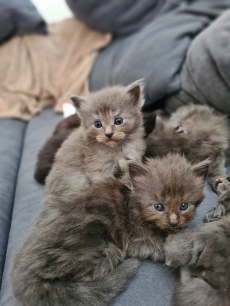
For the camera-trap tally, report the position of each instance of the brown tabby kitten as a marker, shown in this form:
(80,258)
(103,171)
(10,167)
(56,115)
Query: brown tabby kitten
(111,133)
(85,245)
(194,131)
(203,255)
(47,153)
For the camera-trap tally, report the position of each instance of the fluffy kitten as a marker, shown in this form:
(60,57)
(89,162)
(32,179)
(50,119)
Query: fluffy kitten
(194,131)
(85,245)
(47,153)
(203,255)
(64,128)
(111,133)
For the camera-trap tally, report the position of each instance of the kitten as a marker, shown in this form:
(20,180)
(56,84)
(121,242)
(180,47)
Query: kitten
(50,148)
(64,128)
(111,133)
(194,131)
(85,245)
(203,257)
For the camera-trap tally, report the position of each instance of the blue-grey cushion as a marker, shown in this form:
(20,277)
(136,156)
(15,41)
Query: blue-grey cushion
(119,17)
(19,17)
(156,52)
(11,141)
(153,284)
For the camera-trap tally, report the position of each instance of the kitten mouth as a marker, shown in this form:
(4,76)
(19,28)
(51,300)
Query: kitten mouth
(218,182)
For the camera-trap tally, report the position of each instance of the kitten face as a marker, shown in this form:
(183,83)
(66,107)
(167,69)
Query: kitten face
(169,191)
(112,114)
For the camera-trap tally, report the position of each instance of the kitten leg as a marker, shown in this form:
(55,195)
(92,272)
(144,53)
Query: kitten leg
(216,168)
(222,207)
(183,248)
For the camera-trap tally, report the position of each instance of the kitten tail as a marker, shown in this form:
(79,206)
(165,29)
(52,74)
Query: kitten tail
(98,292)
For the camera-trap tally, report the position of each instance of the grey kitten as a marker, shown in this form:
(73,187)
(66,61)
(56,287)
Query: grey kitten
(203,257)
(194,131)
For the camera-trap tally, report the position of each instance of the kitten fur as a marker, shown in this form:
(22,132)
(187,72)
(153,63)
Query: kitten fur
(66,126)
(85,245)
(91,154)
(221,186)
(47,153)
(203,257)
(194,131)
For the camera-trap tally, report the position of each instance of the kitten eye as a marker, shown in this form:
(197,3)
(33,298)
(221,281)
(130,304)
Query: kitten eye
(158,207)
(98,124)
(183,206)
(118,121)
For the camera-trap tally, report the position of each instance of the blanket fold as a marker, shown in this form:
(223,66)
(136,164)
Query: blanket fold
(38,71)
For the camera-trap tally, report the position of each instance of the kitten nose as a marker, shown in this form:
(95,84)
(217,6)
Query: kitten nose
(109,135)
(174,223)
(173,220)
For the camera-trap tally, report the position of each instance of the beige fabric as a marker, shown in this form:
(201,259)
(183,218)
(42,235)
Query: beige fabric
(37,71)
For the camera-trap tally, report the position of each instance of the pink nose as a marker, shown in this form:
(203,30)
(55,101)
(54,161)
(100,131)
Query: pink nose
(109,135)
(174,222)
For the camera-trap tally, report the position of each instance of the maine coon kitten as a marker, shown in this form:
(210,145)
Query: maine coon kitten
(47,153)
(111,133)
(64,128)
(203,257)
(194,131)
(85,245)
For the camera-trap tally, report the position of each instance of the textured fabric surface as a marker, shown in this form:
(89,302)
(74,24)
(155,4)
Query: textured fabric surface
(19,17)
(205,76)
(52,67)
(153,284)
(157,51)
(11,141)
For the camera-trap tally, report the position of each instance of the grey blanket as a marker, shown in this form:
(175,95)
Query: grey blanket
(205,76)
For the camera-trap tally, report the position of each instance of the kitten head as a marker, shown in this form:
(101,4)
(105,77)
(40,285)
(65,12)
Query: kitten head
(111,114)
(167,191)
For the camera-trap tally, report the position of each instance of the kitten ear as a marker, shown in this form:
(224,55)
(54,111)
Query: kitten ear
(201,169)
(77,101)
(136,92)
(136,169)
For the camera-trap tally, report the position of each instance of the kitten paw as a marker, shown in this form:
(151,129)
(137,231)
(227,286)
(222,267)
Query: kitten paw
(178,129)
(219,184)
(215,214)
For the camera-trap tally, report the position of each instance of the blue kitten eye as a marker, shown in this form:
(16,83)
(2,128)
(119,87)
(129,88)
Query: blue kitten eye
(183,206)
(118,121)
(158,207)
(98,124)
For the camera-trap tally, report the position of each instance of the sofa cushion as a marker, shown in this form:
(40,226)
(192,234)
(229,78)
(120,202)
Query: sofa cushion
(11,141)
(152,285)
(19,17)
(156,52)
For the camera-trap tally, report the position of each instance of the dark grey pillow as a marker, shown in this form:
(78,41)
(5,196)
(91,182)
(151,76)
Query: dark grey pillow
(120,17)
(19,17)
(156,52)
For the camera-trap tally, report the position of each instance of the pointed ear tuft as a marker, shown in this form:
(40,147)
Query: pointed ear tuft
(136,169)
(77,101)
(201,169)
(136,92)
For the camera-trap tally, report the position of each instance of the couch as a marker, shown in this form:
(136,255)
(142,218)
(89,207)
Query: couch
(142,47)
